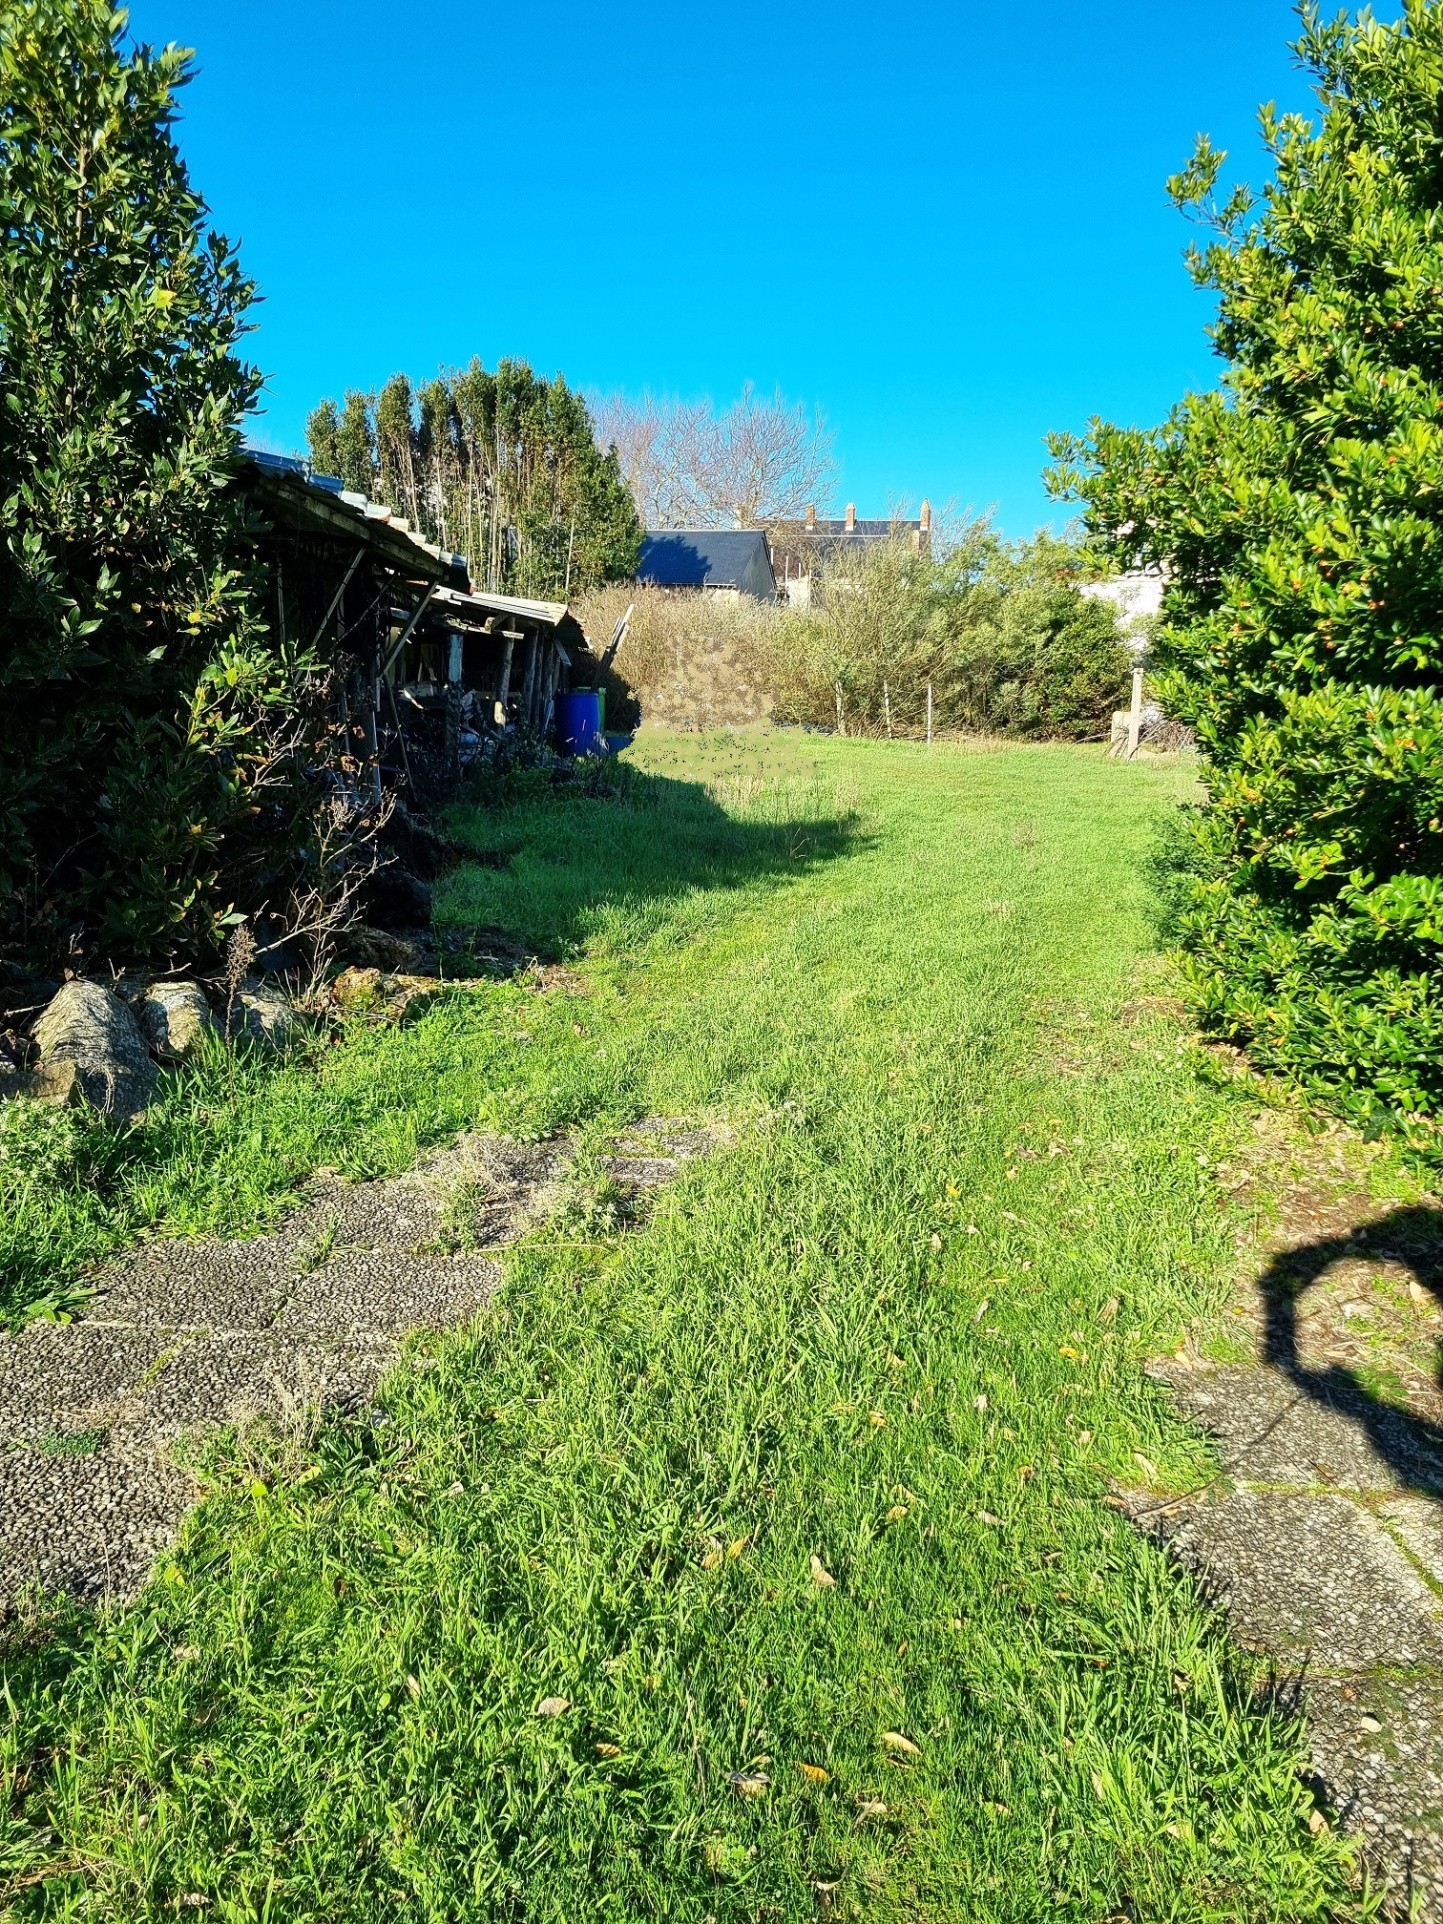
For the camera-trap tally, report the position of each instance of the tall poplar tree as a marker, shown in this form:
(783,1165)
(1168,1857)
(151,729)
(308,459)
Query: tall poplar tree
(501,466)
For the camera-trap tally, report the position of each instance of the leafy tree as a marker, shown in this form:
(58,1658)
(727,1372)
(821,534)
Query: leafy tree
(502,466)
(1299,512)
(342,441)
(323,437)
(356,444)
(998,629)
(396,445)
(133,672)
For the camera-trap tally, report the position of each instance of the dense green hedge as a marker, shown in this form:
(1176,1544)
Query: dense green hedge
(997,629)
(141,699)
(1300,513)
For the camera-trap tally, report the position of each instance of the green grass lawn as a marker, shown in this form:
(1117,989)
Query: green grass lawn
(892,1337)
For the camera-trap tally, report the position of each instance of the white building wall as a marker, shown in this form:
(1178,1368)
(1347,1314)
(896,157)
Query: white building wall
(1137,598)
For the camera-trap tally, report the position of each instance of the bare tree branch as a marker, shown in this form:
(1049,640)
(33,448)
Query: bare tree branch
(758,461)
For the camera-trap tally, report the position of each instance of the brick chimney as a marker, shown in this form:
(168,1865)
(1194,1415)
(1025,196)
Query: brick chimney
(851,517)
(811,518)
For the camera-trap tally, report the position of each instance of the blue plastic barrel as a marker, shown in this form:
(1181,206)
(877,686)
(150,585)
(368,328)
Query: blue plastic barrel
(578,723)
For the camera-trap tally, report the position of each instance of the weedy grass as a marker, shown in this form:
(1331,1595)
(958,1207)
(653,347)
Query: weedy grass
(752,1562)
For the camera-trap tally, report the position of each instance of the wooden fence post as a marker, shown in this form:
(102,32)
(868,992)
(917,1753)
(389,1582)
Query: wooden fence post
(841,718)
(929,714)
(887,709)
(1134,719)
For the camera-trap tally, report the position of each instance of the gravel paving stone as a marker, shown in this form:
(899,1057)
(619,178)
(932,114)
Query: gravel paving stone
(1311,1578)
(400,1215)
(189,1335)
(380,1295)
(92,1525)
(213,1381)
(1269,1430)
(640,1172)
(1387,1783)
(1328,1552)
(672,1137)
(1418,1523)
(58,1378)
(186,1285)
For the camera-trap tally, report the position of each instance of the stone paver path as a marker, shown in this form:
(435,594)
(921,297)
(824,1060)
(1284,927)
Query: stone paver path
(1323,1540)
(184,1336)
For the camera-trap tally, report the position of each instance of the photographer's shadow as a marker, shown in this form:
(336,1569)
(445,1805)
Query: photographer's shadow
(1410,1446)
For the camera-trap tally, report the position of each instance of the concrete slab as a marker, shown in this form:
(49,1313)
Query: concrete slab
(186,1336)
(58,1379)
(1275,1431)
(1417,1522)
(401,1216)
(1376,1742)
(214,1381)
(640,1172)
(89,1525)
(380,1295)
(1312,1579)
(201,1285)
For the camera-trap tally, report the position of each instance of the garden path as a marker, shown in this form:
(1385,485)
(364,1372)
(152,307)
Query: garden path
(181,1337)
(1325,1541)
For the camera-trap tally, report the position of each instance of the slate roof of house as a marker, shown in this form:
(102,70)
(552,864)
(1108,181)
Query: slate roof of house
(707,558)
(799,546)
(860,530)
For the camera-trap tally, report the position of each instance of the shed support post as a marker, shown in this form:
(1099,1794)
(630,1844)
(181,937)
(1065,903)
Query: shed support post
(373,744)
(406,632)
(356,559)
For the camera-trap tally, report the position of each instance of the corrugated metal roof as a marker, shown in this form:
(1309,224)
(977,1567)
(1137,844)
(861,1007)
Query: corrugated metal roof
(297,474)
(549,614)
(871,530)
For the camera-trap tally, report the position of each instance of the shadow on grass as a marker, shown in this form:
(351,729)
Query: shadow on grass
(559,869)
(1410,1445)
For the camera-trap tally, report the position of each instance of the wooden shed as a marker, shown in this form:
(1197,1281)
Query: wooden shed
(424,668)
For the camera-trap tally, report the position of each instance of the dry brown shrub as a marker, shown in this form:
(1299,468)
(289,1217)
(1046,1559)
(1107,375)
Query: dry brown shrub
(694,661)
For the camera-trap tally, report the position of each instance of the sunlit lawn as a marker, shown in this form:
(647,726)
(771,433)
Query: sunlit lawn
(797,1492)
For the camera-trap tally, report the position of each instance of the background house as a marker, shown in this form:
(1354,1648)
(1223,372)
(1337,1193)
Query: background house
(803,550)
(721,562)
(1137,597)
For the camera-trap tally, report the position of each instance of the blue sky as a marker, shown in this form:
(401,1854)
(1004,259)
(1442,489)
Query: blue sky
(945,225)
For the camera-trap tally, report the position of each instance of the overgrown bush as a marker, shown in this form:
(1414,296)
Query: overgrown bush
(998,629)
(688,660)
(148,725)
(1300,513)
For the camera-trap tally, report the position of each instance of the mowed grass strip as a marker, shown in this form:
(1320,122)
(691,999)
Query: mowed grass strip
(755,1564)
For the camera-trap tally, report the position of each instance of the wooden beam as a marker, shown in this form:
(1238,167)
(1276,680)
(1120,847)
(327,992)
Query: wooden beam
(356,560)
(406,632)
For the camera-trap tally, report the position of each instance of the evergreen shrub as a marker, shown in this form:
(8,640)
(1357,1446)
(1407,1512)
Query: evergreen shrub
(144,798)
(1299,513)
